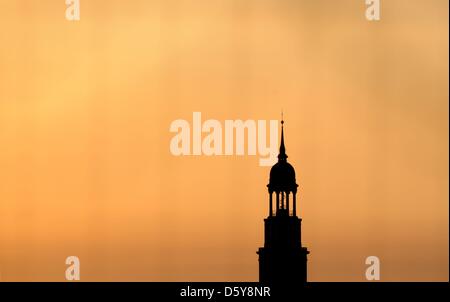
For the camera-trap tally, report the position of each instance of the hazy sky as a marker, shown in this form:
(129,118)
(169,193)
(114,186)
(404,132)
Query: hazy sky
(85,110)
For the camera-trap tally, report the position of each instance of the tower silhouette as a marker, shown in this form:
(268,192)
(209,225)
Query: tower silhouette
(283,259)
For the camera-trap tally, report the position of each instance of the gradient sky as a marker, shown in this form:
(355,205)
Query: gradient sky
(85,110)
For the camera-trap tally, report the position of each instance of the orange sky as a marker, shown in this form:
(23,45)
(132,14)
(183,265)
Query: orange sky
(85,110)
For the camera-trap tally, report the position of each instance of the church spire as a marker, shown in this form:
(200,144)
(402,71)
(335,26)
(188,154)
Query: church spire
(282,155)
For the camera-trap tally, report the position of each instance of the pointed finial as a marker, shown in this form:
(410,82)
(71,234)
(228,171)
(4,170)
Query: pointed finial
(282,155)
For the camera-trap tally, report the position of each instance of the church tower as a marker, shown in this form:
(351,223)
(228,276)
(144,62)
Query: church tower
(283,259)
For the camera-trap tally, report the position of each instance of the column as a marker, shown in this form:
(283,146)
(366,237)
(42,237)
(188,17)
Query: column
(294,204)
(270,204)
(278,200)
(287,202)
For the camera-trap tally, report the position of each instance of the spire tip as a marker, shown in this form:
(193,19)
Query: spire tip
(282,155)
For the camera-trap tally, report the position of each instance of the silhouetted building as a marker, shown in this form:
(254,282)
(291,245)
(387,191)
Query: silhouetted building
(283,259)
